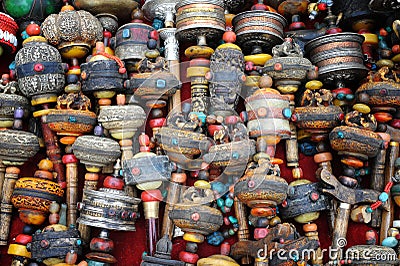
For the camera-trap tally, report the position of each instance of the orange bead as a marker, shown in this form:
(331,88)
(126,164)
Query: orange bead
(44,174)
(125,142)
(67,140)
(121,99)
(322,157)
(46,165)
(353,162)
(104,101)
(276,161)
(67,8)
(178,177)
(396,48)
(310,227)
(228,19)
(263,212)
(383,32)
(229,37)
(91,176)
(13,170)
(383,117)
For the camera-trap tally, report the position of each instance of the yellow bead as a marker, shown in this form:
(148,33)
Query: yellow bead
(229,46)
(314,85)
(76,71)
(41,113)
(339,103)
(299,182)
(193,237)
(44,99)
(18,250)
(287,89)
(197,71)
(396,58)
(362,108)
(307,217)
(149,185)
(53,261)
(252,81)
(385,62)
(74,52)
(6,123)
(104,94)
(301,134)
(202,184)
(93,169)
(199,52)
(258,59)
(370,38)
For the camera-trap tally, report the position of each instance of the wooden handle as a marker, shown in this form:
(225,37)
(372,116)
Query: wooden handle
(54,153)
(377,183)
(387,216)
(174,68)
(243,232)
(6,207)
(292,151)
(2,177)
(340,230)
(72,192)
(172,199)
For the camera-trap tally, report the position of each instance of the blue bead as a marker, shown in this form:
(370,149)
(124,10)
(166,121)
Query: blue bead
(161,84)
(340,96)
(340,134)
(126,33)
(72,119)
(231,232)
(98,131)
(201,116)
(174,141)
(79,242)
(219,187)
(367,171)
(350,97)
(19,113)
(307,148)
(383,197)
(158,24)
(12,65)
(220,202)
(287,113)
(369,209)
(152,44)
(215,239)
(390,241)
(233,219)
(228,202)
(235,155)
(24,35)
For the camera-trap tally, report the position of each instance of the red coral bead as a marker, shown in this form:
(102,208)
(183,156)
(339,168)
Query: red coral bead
(33,29)
(114,183)
(229,37)
(188,257)
(23,239)
(151,195)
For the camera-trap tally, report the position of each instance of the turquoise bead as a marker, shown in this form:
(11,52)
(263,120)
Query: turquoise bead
(340,134)
(228,202)
(235,155)
(233,219)
(220,203)
(219,187)
(350,97)
(287,113)
(340,96)
(390,242)
(231,232)
(383,197)
(369,210)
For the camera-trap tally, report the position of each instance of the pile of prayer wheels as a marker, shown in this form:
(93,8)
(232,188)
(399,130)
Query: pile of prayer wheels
(199,132)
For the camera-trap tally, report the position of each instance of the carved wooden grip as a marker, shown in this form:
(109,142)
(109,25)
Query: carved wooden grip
(340,230)
(6,207)
(72,192)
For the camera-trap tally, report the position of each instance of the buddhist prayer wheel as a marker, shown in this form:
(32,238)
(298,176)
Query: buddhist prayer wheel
(199,132)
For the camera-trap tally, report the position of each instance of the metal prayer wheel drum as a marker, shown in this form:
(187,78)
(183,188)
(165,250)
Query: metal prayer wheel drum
(200,219)
(317,118)
(122,121)
(121,9)
(356,141)
(261,190)
(268,114)
(33,196)
(195,18)
(96,151)
(339,57)
(379,94)
(130,43)
(365,255)
(31,10)
(258,29)
(16,147)
(109,209)
(55,241)
(73,32)
(39,69)
(70,122)
(161,9)
(234,156)
(304,198)
(102,75)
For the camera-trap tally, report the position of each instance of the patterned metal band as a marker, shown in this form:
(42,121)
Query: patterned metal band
(108,208)
(55,244)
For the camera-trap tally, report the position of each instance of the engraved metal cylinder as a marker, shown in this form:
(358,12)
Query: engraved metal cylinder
(339,57)
(196,18)
(258,28)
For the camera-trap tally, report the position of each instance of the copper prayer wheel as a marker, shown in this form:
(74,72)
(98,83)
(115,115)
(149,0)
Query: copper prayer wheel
(118,8)
(384,93)
(196,18)
(339,57)
(258,28)
(70,122)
